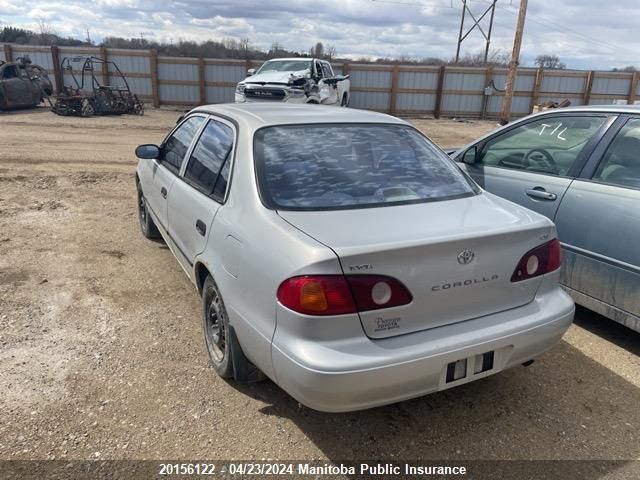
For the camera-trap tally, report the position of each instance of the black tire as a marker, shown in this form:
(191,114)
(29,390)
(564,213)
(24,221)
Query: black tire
(345,101)
(147,227)
(215,324)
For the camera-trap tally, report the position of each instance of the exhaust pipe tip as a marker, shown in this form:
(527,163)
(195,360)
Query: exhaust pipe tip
(527,363)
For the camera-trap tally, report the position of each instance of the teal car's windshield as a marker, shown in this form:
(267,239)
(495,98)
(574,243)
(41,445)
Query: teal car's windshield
(321,167)
(285,66)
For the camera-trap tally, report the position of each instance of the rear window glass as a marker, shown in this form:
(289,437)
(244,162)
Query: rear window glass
(320,167)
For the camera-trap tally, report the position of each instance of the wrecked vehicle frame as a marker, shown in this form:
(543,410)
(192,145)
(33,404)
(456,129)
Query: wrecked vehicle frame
(95,99)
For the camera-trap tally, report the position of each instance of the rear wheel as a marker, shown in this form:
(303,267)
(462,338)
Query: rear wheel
(215,323)
(345,100)
(147,227)
(87,108)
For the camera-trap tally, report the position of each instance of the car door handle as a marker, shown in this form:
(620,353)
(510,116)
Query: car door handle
(201,227)
(163,192)
(541,194)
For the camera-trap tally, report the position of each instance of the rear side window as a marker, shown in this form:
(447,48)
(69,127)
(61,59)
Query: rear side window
(210,156)
(323,167)
(176,146)
(621,163)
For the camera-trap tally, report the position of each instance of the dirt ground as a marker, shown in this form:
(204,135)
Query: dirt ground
(102,354)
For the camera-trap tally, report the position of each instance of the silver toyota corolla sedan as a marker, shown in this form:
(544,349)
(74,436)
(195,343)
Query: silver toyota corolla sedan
(341,254)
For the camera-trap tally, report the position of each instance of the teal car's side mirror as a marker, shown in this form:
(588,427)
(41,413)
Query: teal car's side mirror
(470,156)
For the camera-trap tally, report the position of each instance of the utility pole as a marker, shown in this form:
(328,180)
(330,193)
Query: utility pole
(476,23)
(513,65)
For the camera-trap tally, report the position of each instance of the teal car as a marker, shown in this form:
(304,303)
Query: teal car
(580,167)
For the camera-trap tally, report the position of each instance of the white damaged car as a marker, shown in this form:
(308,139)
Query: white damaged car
(295,80)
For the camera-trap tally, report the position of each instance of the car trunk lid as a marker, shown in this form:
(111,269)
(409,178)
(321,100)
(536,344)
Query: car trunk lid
(456,257)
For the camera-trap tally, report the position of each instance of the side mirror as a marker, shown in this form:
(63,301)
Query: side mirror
(251,71)
(148,151)
(470,156)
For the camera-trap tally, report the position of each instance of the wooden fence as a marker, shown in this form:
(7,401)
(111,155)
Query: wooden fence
(396,89)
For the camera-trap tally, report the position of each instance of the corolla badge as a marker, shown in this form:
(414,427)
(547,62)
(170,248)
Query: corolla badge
(465,257)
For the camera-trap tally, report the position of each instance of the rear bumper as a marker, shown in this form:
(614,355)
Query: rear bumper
(359,373)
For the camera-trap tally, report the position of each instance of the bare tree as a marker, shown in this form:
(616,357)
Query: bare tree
(317,50)
(549,61)
(45,32)
(628,68)
(331,52)
(496,58)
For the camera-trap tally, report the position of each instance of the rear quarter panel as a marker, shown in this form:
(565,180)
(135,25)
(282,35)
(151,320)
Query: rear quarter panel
(250,251)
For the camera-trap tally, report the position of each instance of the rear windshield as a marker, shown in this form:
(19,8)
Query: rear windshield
(338,166)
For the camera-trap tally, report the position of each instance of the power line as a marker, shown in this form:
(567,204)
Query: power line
(545,22)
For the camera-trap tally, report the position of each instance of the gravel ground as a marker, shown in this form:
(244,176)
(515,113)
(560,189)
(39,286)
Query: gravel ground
(102,356)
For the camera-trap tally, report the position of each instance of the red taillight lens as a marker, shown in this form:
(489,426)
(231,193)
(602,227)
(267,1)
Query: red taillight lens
(543,259)
(372,292)
(339,295)
(317,295)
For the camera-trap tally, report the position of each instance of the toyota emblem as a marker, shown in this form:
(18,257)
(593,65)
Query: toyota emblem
(465,257)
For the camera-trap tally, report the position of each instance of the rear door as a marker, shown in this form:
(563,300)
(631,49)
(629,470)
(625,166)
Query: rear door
(599,225)
(534,163)
(198,194)
(157,184)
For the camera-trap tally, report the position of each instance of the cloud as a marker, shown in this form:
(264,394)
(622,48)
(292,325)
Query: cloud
(582,32)
(8,8)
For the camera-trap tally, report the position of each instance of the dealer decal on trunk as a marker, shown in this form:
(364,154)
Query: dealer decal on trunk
(383,324)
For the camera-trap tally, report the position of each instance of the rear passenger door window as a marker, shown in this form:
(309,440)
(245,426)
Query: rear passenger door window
(209,165)
(620,164)
(176,146)
(549,146)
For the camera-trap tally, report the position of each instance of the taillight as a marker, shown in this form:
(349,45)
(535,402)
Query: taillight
(317,295)
(339,294)
(543,259)
(372,292)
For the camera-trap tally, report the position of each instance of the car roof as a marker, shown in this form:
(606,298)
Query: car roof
(288,59)
(262,114)
(595,108)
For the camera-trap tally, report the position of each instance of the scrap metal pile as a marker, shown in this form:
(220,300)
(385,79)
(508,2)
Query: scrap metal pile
(89,96)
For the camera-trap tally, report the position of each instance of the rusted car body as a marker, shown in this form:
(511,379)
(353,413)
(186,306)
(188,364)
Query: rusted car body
(22,84)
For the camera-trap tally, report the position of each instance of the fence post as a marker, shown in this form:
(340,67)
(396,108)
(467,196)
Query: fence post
(105,66)
(202,79)
(488,75)
(57,68)
(633,89)
(153,64)
(394,88)
(536,88)
(438,105)
(587,88)
(8,57)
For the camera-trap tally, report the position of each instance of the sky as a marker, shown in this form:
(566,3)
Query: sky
(585,34)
